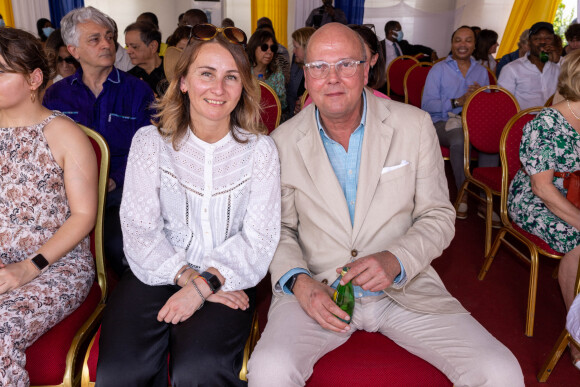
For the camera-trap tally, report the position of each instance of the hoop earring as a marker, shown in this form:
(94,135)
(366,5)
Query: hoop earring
(33,96)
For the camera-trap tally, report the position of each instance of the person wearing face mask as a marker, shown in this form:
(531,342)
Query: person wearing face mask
(394,45)
(44,28)
(533,78)
(325,14)
(2,23)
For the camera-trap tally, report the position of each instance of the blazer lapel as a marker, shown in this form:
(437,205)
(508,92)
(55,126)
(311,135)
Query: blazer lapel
(318,166)
(376,144)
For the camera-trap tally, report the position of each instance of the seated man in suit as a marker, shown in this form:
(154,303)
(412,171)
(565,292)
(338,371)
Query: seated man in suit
(363,186)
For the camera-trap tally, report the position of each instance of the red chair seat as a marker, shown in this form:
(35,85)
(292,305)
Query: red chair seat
(535,240)
(45,359)
(490,176)
(371,359)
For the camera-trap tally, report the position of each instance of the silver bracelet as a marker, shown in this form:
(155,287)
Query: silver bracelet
(180,274)
(198,292)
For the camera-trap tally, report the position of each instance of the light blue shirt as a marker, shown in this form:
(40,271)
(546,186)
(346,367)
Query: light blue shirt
(346,165)
(445,81)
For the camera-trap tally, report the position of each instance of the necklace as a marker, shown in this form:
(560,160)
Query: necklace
(572,111)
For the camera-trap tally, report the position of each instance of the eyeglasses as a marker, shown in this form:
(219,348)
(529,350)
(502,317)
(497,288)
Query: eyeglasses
(68,59)
(274,48)
(209,31)
(344,68)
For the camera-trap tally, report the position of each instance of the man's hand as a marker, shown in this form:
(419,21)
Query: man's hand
(181,306)
(374,272)
(15,275)
(316,300)
(461,100)
(236,300)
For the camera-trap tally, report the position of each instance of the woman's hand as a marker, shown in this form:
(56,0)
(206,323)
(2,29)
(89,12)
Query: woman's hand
(15,275)
(181,306)
(236,300)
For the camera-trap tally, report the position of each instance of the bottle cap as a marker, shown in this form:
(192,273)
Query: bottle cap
(344,270)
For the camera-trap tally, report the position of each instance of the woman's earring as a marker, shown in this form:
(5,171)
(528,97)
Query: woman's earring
(32,96)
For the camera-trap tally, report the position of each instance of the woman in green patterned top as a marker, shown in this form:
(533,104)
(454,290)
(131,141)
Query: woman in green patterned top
(537,198)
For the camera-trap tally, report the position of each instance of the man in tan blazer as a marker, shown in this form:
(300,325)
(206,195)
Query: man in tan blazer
(363,186)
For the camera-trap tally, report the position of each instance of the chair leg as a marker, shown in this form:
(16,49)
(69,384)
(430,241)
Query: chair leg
(250,344)
(460,193)
(555,355)
(488,222)
(534,263)
(493,251)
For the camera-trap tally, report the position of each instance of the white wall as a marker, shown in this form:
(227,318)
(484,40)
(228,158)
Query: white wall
(125,12)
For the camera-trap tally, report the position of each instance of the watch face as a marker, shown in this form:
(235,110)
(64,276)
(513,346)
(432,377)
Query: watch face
(212,280)
(40,262)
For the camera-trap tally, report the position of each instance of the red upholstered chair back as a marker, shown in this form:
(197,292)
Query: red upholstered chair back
(54,358)
(396,73)
(485,114)
(511,139)
(491,75)
(271,109)
(414,82)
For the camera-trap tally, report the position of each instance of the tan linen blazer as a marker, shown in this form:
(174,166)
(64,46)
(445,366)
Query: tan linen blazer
(402,203)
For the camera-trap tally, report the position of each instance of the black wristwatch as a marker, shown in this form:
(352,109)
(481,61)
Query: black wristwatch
(40,262)
(212,281)
(454,103)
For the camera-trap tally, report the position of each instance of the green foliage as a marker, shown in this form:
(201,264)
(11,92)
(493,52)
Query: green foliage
(562,21)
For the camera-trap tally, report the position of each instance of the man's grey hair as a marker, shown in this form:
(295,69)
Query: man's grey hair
(360,40)
(69,23)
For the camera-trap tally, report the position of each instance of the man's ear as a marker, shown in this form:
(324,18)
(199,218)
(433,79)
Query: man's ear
(154,45)
(73,51)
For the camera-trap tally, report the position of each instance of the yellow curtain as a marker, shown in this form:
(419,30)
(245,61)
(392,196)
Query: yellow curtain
(277,11)
(524,14)
(6,12)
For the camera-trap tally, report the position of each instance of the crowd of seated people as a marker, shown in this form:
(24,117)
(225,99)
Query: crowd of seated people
(120,90)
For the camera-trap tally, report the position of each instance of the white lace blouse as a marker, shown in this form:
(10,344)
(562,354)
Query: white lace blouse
(210,205)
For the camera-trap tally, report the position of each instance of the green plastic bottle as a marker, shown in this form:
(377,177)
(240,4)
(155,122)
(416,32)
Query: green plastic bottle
(544,57)
(344,297)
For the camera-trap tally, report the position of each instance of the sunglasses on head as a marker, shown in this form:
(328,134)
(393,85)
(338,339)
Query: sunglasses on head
(274,47)
(209,31)
(68,59)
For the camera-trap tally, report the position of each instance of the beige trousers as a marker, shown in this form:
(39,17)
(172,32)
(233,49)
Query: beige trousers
(456,344)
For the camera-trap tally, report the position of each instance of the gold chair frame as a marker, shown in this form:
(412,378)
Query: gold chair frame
(488,201)
(86,331)
(405,79)
(507,228)
(402,57)
(271,90)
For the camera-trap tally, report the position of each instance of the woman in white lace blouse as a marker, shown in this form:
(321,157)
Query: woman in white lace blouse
(201,221)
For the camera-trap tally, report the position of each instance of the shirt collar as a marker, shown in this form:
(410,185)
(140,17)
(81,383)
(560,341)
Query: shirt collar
(114,76)
(362,119)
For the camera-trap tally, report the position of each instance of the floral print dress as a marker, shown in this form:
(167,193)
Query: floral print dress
(33,205)
(548,142)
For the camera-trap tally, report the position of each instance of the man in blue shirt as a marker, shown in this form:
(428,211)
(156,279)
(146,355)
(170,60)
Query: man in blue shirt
(363,186)
(448,86)
(105,99)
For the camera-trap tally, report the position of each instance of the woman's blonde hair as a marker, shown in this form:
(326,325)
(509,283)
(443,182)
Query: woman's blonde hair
(173,117)
(569,79)
(301,35)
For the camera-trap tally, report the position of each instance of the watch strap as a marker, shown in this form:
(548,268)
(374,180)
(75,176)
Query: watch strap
(212,281)
(291,282)
(40,262)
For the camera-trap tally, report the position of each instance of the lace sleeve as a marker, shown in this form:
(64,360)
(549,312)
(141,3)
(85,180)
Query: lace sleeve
(151,256)
(244,258)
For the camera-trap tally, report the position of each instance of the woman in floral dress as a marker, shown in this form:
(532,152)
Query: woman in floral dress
(537,198)
(48,202)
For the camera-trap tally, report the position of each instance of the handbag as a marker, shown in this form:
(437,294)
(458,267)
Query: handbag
(572,184)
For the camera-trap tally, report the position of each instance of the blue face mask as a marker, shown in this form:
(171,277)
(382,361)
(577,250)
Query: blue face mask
(399,36)
(2,24)
(47,31)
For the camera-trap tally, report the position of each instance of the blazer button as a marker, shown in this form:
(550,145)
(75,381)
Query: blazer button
(354,253)
(325,281)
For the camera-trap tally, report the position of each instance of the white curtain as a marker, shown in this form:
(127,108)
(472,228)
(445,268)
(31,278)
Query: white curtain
(302,11)
(27,12)
(431,27)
